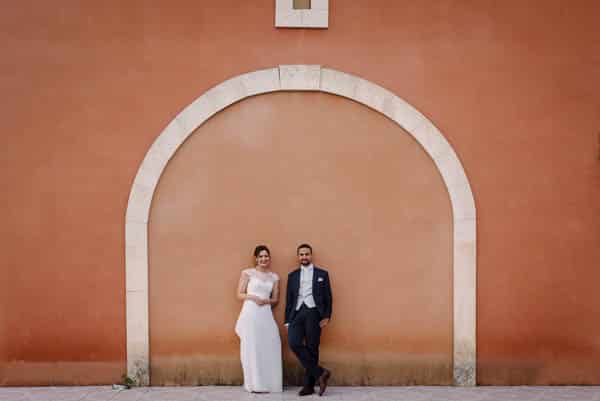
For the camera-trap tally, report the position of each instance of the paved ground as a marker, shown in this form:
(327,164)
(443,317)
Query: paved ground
(105,393)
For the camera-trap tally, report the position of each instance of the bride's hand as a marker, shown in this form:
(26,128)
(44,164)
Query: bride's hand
(264,302)
(254,299)
(257,300)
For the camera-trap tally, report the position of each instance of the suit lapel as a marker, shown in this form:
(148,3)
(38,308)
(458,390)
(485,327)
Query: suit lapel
(297,278)
(314,283)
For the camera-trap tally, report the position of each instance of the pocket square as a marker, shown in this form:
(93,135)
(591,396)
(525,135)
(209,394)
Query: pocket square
(320,279)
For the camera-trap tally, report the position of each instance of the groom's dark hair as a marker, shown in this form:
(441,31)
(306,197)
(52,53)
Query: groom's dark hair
(303,246)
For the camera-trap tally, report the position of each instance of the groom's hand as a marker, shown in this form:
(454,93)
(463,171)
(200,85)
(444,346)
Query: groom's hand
(323,322)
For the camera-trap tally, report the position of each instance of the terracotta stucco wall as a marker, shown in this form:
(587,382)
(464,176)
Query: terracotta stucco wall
(86,88)
(3,332)
(288,168)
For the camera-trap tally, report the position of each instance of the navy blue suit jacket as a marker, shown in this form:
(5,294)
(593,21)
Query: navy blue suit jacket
(321,293)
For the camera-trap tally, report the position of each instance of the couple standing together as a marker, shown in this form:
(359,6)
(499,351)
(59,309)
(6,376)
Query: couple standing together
(307,311)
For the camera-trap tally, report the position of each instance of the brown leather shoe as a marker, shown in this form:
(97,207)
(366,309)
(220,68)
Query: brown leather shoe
(306,391)
(323,381)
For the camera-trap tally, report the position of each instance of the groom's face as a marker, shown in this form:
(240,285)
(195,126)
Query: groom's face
(304,256)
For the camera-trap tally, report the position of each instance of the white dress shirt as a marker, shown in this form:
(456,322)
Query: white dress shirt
(305,295)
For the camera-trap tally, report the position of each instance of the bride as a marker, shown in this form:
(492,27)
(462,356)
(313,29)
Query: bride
(260,345)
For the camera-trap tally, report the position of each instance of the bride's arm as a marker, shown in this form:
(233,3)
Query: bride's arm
(275,294)
(242,295)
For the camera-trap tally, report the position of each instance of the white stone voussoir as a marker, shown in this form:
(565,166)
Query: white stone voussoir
(261,81)
(136,256)
(300,77)
(457,184)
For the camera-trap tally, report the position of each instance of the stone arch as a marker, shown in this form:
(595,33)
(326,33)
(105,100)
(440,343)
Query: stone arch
(303,78)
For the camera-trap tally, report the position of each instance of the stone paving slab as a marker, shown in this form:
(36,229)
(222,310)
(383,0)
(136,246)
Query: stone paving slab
(223,393)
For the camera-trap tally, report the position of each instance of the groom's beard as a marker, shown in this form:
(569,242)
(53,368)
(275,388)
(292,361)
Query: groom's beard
(305,263)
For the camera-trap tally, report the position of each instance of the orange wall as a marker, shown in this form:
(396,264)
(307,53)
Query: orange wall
(513,86)
(3,332)
(288,168)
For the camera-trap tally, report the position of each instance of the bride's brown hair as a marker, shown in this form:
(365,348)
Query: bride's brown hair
(259,249)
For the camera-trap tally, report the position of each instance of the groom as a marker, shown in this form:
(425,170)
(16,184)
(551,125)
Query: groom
(307,311)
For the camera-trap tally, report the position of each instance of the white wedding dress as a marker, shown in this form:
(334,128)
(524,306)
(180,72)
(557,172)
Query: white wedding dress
(260,348)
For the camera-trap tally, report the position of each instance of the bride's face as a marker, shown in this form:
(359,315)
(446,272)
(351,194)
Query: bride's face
(263,259)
